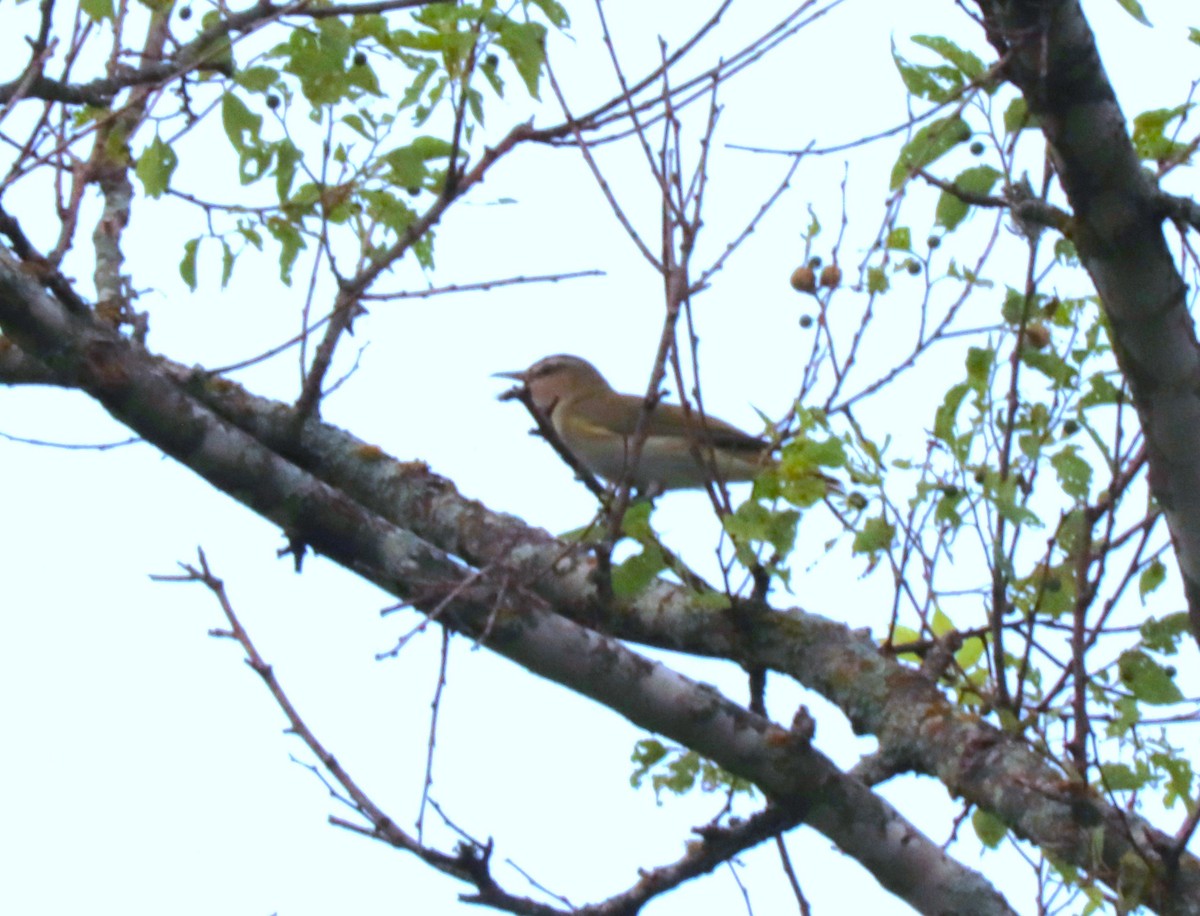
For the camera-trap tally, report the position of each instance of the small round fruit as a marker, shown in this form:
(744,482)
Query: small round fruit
(1037,335)
(360,59)
(913,266)
(804,280)
(1070,427)
(806,321)
(272,101)
(933,241)
(185,13)
(831,276)
(977,148)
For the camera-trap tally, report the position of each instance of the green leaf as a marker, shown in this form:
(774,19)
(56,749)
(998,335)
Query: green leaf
(242,126)
(1051,365)
(970,653)
(937,84)
(1117,777)
(941,624)
(256,79)
(877,281)
(187,266)
(904,636)
(525,44)
(631,577)
(1147,680)
(431,147)
(989,828)
(930,143)
(155,166)
(944,421)
(1074,473)
(407,163)
(97,10)
(1017,116)
(1151,578)
(877,534)
(250,234)
(1128,715)
(1003,495)
(226,263)
(803,455)
(1014,311)
(636,522)
(678,771)
(389,210)
(554,12)
(1065,253)
(1134,9)
(646,754)
(754,523)
(291,243)
(1179,776)
(947,512)
(287,156)
(899,239)
(1163,634)
(1149,133)
(980,361)
(976,181)
(965,62)
(1100,391)
(217,53)
(591,533)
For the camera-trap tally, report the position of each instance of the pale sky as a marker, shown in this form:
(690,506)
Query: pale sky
(146,767)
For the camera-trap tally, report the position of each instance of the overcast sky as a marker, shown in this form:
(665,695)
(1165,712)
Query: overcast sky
(145,768)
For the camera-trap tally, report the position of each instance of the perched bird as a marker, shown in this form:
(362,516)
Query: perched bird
(682,449)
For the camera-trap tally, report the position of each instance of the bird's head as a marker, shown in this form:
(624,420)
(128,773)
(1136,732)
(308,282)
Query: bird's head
(558,378)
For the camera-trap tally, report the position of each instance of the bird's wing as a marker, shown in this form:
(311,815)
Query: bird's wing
(671,419)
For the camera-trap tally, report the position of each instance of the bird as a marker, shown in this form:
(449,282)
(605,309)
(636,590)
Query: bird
(682,448)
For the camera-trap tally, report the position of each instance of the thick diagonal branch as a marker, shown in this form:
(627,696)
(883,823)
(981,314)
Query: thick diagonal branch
(1117,227)
(496,609)
(918,728)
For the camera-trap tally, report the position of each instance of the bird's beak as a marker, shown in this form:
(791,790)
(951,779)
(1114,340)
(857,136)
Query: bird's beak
(512,393)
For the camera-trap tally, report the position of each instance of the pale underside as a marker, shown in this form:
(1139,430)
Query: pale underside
(685,459)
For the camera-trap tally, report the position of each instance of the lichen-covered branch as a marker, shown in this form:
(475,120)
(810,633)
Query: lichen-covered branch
(494,608)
